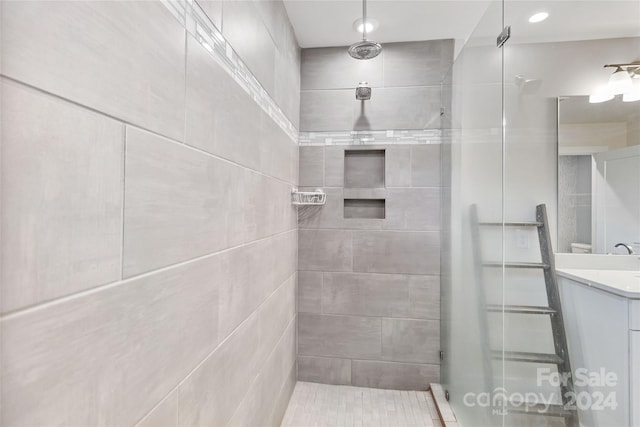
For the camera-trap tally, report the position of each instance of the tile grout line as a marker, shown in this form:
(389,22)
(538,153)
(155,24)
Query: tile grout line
(186,81)
(218,346)
(79,294)
(177,406)
(123,199)
(142,128)
(232,63)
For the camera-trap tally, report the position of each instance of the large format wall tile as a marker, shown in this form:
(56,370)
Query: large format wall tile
(311,166)
(422,63)
(221,118)
(108,357)
(390,295)
(325,370)
(398,108)
(409,340)
(62,172)
(275,314)
(287,81)
(325,250)
(179,203)
(267,206)
(425,165)
(325,110)
(309,291)
(249,274)
(281,158)
(164,415)
(333,68)
(122,58)
(412,209)
(396,252)
(339,336)
(398,166)
(402,376)
(247,34)
(334,166)
(263,402)
(211,394)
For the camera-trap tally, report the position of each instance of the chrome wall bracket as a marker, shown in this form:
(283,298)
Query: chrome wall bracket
(504,36)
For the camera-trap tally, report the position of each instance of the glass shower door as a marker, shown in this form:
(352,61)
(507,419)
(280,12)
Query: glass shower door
(471,335)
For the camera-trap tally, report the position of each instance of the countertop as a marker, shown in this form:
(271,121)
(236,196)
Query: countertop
(625,283)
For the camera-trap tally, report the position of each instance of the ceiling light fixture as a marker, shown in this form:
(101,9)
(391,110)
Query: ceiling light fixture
(620,81)
(538,17)
(602,94)
(624,81)
(365,49)
(372,25)
(632,94)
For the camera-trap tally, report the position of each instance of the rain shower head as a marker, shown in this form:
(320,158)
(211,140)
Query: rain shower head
(363,92)
(364,49)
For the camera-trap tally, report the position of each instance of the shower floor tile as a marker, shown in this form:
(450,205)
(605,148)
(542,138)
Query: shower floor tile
(338,405)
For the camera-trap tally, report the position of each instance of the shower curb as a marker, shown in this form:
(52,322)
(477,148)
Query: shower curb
(447,416)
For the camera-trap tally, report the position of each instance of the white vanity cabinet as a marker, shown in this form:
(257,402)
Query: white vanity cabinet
(601,312)
(634,338)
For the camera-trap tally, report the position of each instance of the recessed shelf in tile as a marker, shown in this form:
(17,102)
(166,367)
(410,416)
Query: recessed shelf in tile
(364,208)
(364,168)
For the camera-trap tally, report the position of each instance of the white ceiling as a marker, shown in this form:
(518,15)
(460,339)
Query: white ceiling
(320,23)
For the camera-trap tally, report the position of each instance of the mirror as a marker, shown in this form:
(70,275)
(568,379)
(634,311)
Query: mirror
(598,176)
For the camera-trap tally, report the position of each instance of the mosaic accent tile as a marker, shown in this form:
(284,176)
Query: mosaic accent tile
(198,24)
(372,137)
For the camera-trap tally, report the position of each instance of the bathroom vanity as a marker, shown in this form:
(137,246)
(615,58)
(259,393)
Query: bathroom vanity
(601,308)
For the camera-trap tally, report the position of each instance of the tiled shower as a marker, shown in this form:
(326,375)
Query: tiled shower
(155,270)
(147,172)
(369,259)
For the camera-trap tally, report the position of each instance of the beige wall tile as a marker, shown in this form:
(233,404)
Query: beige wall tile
(409,340)
(325,370)
(164,415)
(333,68)
(339,336)
(249,274)
(221,118)
(402,376)
(62,172)
(108,357)
(390,295)
(309,291)
(414,252)
(420,63)
(277,312)
(327,250)
(211,394)
(326,110)
(179,203)
(125,59)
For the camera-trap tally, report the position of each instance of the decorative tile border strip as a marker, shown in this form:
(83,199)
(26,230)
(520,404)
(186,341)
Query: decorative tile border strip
(372,137)
(197,23)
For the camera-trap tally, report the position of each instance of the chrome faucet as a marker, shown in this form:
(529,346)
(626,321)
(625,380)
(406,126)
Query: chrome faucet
(628,247)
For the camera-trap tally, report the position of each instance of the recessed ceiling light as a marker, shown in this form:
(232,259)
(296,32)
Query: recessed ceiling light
(372,25)
(538,17)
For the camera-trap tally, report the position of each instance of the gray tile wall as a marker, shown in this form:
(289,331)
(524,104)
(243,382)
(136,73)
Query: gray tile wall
(406,80)
(149,246)
(369,289)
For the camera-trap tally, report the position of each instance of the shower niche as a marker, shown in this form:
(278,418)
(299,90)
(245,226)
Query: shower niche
(364,184)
